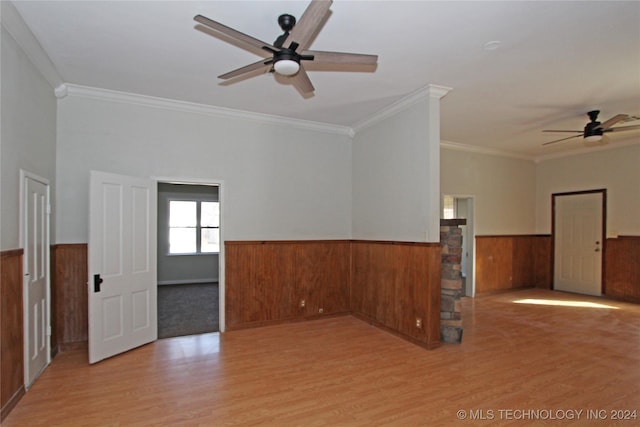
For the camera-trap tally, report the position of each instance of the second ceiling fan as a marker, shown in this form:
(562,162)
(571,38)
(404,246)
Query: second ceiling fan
(286,55)
(594,130)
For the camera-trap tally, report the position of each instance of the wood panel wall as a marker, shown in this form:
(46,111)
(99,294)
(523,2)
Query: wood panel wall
(275,281)
(512,262)
(11,331)
(322,270)
(69,291)
(394,284)
(622,272)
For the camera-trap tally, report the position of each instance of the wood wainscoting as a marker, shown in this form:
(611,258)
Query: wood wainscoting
(622,273)
(11,331)
(390,284)
(394,284)
(513,262)
(69,293)
(277,281)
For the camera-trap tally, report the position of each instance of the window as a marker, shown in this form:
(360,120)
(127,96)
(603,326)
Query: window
(448,207)
(194,227)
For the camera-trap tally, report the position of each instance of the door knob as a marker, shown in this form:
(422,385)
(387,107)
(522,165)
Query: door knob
(97,281)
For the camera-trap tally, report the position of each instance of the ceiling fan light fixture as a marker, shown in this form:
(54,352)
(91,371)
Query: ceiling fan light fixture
(286,67)
(592,138)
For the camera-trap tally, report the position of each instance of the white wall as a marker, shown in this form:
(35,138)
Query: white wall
(279,182)
(503,189)
(617,170)
(28,133)
(391,198)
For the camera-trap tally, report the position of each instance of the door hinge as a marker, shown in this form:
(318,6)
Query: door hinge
(49,330)
(48,209)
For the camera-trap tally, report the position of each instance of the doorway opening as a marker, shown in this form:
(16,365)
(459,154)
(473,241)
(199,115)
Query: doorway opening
(189,248)
(462,207)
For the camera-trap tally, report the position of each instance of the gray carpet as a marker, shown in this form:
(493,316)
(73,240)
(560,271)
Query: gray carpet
(187,309)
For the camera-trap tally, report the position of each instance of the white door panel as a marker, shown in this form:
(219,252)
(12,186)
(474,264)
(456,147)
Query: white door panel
(35,235)
(578,243)
(122,264)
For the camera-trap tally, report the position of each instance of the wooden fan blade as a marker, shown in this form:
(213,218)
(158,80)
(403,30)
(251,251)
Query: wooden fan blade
(301,81)
(612,121)
(247,69)
(308,24)
(574,131)
(563,139)
(622,128)
(235,34)
(322,57)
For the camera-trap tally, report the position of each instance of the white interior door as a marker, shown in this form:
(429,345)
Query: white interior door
(578,243)
(35,239)
(122,264)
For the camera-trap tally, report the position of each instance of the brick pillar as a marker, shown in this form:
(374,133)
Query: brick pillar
(451,280)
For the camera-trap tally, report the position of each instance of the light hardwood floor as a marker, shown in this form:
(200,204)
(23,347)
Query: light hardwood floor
(343,372)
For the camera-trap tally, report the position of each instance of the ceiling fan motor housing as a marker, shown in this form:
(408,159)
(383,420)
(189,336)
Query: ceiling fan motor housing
(286,54)
(592,129)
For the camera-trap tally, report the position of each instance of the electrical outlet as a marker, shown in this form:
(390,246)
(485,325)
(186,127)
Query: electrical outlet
(418,323)
(303,303)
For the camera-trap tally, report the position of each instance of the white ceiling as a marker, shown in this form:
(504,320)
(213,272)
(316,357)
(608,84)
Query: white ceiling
(555,61)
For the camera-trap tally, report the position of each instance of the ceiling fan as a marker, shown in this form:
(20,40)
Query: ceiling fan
(594,130)
(287,53)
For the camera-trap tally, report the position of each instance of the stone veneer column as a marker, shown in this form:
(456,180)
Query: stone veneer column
(451,280)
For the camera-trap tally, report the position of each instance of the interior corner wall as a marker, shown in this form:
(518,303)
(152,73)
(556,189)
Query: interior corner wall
(279,182)
(503,189)
(391,197)
(28,133)
(617,170)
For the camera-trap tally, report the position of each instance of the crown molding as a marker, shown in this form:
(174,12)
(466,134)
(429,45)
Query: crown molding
(192,107)
(482,150)
(586,150)
(437,91)
(14,24)
(61,91)
(402,104)
(536,159)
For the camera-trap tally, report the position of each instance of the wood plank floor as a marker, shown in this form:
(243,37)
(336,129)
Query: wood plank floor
(527,358)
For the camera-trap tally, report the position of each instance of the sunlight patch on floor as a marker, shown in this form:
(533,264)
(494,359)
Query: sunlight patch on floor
(562,303)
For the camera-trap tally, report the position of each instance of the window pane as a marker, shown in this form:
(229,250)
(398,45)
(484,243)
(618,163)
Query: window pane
(182,214)
(210,214)
(448,211)
(182,240)
(210,240)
